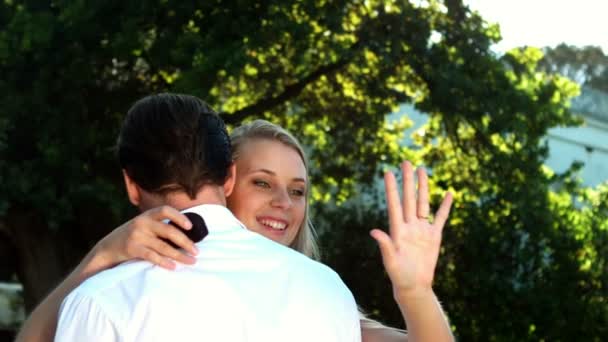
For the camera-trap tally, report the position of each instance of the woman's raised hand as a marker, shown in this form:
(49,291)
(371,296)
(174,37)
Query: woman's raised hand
(410,250)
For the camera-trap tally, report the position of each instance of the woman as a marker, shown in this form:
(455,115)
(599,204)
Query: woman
(270,198)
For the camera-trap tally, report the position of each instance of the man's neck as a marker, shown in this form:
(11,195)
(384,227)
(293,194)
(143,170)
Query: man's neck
(180,200)
(207,195)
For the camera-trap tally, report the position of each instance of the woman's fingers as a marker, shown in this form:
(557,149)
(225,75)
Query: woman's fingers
(144,241)
(143,238)
(393,203)
(409,192)
(167,251)
(146,233)
(422,208)
(444,211)
(168,213)
(387,249)
(155,258)
(174,235)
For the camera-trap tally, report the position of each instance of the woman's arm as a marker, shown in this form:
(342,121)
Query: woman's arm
(410,255)
(373,331)
(422,314)
(137,238)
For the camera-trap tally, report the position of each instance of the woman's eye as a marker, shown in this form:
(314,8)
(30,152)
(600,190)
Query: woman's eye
(261,183)
(297,192)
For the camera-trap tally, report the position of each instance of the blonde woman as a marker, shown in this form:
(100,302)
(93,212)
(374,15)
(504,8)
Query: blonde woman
(271,198)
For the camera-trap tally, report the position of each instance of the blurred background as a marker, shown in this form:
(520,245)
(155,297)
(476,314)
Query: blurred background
(505,103)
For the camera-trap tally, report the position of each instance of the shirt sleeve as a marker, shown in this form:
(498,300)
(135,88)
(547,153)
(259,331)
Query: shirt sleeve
(356,321)
(82,319)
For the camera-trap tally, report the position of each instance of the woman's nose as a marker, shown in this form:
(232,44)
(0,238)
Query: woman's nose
(280,199)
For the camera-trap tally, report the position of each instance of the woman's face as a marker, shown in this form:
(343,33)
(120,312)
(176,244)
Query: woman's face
(269,195)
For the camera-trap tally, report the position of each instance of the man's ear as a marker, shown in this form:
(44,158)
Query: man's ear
(132,189)
(230,180)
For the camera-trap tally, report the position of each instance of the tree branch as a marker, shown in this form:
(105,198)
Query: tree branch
(289,92)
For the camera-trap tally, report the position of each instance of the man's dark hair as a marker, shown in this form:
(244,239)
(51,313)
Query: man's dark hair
(172,142)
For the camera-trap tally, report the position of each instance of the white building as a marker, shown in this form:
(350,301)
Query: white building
(587,143)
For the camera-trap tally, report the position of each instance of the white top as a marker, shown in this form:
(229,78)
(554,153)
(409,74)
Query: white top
(243,287)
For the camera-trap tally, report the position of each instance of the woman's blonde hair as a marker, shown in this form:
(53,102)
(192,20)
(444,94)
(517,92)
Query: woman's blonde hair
(306,239)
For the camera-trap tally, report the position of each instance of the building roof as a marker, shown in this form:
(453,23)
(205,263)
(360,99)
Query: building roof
(592,103)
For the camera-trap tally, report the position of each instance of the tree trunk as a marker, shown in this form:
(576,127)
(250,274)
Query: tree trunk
(39,258)
(7,256)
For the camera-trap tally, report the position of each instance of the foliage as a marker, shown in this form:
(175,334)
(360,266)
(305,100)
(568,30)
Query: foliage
(525,249)
(511,239)
(587,66)
(524,256)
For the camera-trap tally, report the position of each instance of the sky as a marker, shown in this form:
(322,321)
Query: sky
(546,22)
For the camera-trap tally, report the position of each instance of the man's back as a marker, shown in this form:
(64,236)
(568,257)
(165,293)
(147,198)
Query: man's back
(243,288)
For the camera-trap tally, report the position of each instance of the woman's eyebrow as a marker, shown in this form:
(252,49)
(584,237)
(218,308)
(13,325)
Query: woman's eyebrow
(272,173)
(264,171)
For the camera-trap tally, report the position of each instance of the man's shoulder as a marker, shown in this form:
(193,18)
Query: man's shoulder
(104,284)
(301,264)
(105,293)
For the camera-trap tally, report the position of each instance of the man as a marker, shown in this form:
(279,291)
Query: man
(175,151)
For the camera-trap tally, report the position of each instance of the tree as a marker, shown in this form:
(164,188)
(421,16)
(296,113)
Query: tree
(70,70)
(330,72)
(524,256)
(588,66)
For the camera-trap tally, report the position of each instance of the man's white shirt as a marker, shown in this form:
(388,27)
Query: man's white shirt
(243,287)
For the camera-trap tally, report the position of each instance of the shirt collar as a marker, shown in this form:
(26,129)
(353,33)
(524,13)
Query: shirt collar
(217,217)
